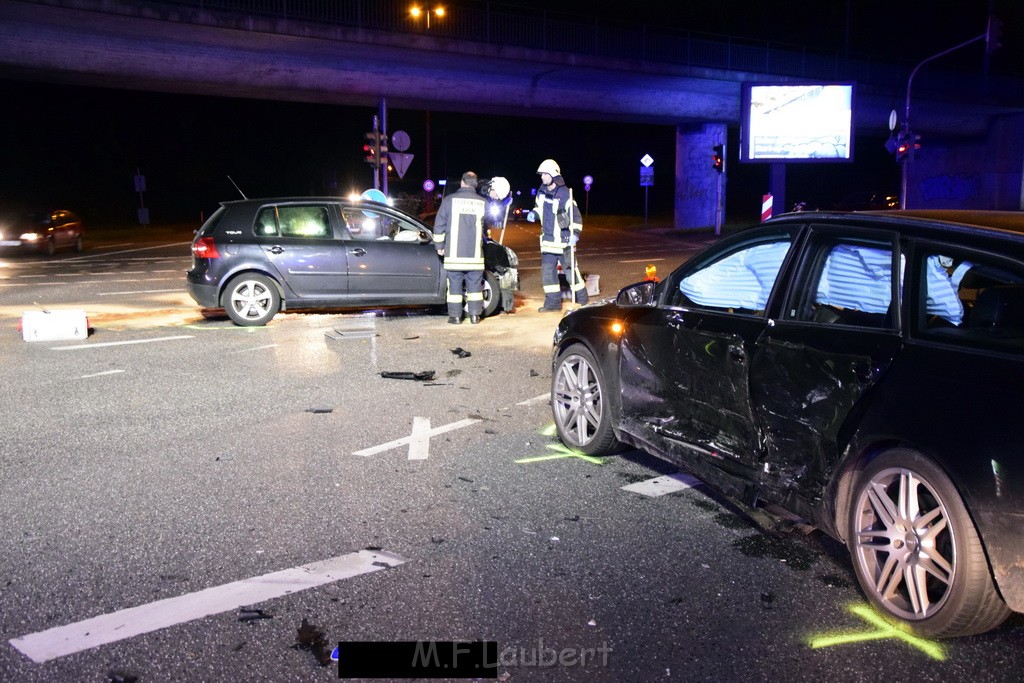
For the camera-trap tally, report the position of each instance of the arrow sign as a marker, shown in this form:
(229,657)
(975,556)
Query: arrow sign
(401,161)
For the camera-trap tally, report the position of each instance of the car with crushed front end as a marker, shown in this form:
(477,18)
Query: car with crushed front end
(256,257)
(864,371)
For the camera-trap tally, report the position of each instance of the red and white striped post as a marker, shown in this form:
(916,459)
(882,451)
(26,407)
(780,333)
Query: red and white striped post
(766,207)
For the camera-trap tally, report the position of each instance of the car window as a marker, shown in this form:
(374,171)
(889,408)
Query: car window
(847,282)
(739,282)
(375,225)
(972,299)
(311,221)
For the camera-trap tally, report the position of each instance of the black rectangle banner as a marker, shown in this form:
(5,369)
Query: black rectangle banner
(418,659)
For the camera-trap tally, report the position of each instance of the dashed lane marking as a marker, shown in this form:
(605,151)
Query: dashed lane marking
(109,628)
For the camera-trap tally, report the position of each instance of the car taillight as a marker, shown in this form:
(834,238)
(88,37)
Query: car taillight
(204,247)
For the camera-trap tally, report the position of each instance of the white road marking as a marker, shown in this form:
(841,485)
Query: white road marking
(126,251)
(255,348)
(110,628)
(100,374)
(420,444)
(122,343)
(415,439)
(659,486)
(536,399)
(141,291)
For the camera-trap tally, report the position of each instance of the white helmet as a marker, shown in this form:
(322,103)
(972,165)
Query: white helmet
(499,188)
(550,167)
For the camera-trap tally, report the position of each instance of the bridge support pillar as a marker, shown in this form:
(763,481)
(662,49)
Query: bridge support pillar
(698,190)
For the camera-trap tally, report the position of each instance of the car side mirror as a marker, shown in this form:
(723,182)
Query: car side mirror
(640,294)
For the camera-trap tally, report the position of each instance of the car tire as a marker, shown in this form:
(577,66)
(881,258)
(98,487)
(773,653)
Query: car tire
(579,402)
(251,299)
(492,295)
(916,552)
(79,244)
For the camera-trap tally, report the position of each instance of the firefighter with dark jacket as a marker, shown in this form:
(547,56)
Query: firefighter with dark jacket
(557,243)
(459,239)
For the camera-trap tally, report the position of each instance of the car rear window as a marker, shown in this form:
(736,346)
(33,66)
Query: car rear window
(972,299)
(311,221)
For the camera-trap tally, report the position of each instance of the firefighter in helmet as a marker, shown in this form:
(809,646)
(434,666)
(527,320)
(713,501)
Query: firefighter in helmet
(561,224)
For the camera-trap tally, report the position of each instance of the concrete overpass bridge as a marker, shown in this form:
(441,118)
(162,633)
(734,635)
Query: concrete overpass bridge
(354,52)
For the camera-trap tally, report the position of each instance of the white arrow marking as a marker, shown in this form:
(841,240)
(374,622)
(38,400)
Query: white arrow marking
(419,439)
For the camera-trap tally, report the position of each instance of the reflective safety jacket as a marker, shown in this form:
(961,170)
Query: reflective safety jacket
(459,229)
(554,240)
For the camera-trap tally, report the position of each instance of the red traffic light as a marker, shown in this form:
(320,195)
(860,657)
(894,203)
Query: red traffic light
(718,158)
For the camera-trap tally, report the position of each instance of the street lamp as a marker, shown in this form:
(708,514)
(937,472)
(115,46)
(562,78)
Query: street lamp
(416,12)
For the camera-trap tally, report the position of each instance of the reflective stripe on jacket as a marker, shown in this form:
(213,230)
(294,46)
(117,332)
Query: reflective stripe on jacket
(552,239)
(459,228)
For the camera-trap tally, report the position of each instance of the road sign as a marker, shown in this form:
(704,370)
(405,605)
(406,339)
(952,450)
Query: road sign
(647,160)
(400,140)
(400,160)
(428,185)
(646,176)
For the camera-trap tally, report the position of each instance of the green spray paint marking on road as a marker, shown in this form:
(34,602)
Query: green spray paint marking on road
(550,430)
(563,452)
(885,630)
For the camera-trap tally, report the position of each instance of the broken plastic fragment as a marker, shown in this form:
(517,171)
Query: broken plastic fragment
(319,411)
(461,352)
(425,375)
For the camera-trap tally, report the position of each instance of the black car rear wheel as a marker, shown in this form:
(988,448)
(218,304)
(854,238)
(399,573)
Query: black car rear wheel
(578,402)
(251,299)
(917,553)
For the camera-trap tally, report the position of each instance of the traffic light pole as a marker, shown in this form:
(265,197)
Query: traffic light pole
(991,36)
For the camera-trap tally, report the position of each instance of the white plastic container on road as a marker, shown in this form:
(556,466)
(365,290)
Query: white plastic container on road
(54,325)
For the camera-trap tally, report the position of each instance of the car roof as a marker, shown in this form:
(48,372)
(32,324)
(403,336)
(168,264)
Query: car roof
(992,223)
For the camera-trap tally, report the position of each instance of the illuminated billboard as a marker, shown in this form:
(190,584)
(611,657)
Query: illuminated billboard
(797,122)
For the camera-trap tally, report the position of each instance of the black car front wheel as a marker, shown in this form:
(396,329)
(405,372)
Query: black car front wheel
(916,551)
(579,402)
(492,295)
(251,299)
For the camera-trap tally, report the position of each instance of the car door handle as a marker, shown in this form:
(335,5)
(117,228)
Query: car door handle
(277,249)
(358,251)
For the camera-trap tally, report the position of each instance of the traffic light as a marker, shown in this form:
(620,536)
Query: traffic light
(372,148)
(718,158)
(908,142)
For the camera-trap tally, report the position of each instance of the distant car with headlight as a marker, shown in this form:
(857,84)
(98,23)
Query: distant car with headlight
(42,231)
(863,370)
(256,257)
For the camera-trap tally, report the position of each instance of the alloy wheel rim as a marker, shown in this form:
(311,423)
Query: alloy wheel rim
(577,400)
(251,300)
(904,544)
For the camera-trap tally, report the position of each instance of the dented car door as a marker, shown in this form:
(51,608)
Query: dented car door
(833,342)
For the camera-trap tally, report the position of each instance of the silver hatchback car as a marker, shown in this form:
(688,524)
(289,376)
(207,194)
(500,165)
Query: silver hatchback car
(256,257)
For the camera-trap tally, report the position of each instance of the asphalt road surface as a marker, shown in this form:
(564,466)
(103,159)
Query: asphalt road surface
(186,500)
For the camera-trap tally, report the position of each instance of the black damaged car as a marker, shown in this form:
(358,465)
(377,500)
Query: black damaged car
(255,257)
(864,371)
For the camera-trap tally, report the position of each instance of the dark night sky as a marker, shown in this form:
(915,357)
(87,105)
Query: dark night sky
(79,147)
